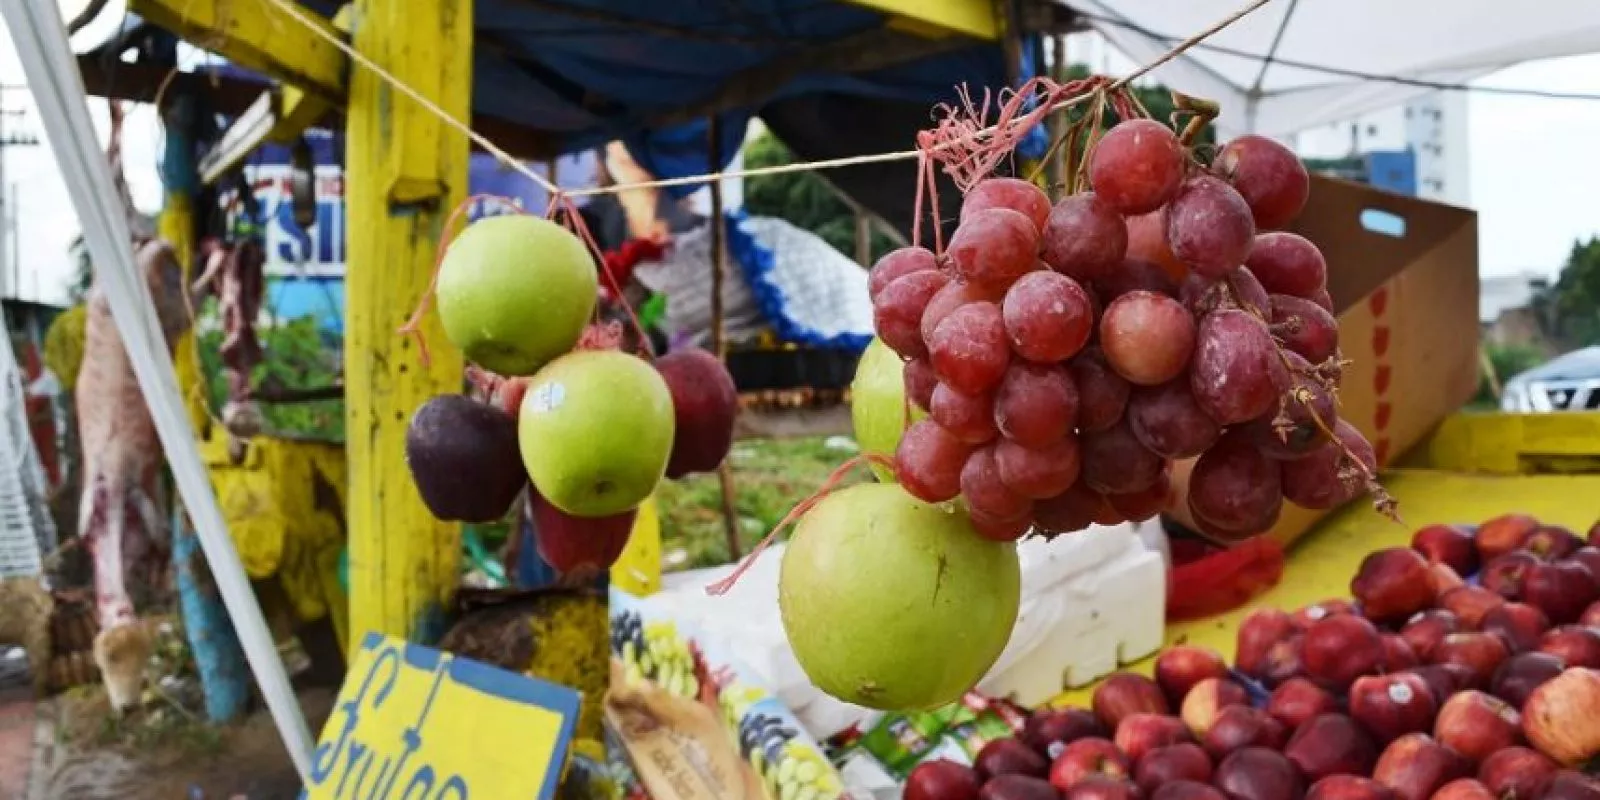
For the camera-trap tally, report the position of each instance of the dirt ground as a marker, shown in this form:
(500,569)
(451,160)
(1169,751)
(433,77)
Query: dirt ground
(161,753)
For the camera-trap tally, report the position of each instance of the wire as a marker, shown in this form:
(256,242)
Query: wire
(1342,72)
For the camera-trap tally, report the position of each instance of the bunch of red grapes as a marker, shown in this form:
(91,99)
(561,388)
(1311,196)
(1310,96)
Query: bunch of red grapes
(1067,355)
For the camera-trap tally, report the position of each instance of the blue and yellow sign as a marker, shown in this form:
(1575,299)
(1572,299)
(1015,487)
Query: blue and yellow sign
(413,723)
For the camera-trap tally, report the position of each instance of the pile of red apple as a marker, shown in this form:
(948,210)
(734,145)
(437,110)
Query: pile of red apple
(1426,686)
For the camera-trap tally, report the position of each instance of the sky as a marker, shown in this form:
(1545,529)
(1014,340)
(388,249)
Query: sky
(1533,166)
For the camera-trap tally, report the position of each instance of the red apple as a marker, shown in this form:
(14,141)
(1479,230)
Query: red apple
(1517,772)
(1397,653)
(1009,757)
(1503,534)
(1297,700)
(1096,787)
(1179,668)
(1463,789)
(1256,773)
(1521,674)
(1424,630)
(1258,632)
(1445,679)
(1552,542)
(1349,787)
(1243,726)
(1050,729)
(1505,575)
(1088,756)
(1519,624)
(1591,615)
(1392,584)
(1476,724)
(942,780)
(1023,787)
(1390,706)
(1575,645)
(1126,693)
(1589,556)
(1322,610)
(1562,717)
(1483,653)
(1341,648)
(1284,660)
(1331,744)
(1470,603)
(1562,590)
(1442,578)
(1188,790)
(1415,766)
(1140,733)
(1182,761)
(1450,545)
(1572,785)
(1201,704)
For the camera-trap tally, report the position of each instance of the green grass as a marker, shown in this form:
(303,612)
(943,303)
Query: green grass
(769,477)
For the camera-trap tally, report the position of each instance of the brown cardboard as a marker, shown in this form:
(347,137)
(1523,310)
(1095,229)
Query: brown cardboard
(1408,319)
(677,747)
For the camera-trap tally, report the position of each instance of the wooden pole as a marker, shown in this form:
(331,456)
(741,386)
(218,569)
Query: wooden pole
(719,337)
(406,173)
(863,239)
(1056,170)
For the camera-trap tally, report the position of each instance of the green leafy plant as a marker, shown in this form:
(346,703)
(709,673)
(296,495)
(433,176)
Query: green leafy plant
(296,356)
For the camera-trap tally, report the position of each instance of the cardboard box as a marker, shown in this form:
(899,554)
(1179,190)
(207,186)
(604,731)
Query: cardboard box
(1403,274)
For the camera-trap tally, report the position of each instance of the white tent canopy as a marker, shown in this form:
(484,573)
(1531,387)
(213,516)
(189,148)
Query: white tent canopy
(1296,64)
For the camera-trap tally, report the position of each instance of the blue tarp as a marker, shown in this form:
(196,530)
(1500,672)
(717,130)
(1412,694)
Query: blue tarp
(588,80)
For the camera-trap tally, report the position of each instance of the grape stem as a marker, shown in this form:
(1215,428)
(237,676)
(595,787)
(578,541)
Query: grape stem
(1200,113)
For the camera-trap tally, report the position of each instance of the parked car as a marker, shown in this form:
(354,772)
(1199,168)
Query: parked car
(1570,382)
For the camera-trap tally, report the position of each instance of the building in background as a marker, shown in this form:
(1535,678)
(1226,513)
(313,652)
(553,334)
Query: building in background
(1418,149)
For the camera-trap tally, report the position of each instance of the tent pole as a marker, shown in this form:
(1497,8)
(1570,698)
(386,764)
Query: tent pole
(863,239)
(719,337)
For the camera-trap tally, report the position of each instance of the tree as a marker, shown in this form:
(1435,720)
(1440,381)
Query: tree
(1572,306)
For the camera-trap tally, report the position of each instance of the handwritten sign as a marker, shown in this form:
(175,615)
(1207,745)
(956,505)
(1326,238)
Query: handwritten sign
(413,723)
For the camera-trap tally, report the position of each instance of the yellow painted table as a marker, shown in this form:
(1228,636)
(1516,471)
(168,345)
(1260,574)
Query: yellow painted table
(1321,563)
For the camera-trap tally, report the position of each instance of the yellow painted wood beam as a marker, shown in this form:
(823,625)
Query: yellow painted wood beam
(255,35)
(404,173)
(979,19)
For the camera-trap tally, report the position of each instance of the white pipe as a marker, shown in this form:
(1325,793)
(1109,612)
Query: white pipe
(52,75)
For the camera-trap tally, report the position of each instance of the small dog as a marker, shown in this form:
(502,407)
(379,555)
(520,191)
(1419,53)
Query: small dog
(26,608)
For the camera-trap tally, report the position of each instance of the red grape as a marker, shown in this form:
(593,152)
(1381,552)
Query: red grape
(1316,480)
(928,462)
(897,312)
(1144,504)
(1035,404)
(1102,393)
(968,417)
(1042,472)
(897,264)
(1305,328)
(1209,227)
(1048,316)
(1137,166)
(1072,510)
(1296,408)
(1134,275)
(1147,337)
(1113,460)
(1084,237)
(1268,175)
(1287,263)
(995,246)
(920,381)
(997,528)
(969,349)
(954,295)
(1168,421)
(1013,193)
(1147,241)
(1322,298)
(1202,296)
(984,491)
(1237,373)
(1235,488)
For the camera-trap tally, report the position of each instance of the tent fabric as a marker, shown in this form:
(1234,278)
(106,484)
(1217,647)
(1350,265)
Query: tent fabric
(1261,68)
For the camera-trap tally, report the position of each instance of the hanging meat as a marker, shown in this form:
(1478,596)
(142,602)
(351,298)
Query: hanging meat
(235,274)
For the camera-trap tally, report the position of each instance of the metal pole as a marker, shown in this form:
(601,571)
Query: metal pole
(719,340)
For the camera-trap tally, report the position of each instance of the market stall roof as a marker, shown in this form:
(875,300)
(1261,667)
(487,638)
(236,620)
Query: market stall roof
(1296,64)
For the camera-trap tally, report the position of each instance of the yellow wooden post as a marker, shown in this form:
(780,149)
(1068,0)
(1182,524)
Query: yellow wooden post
(404,173)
